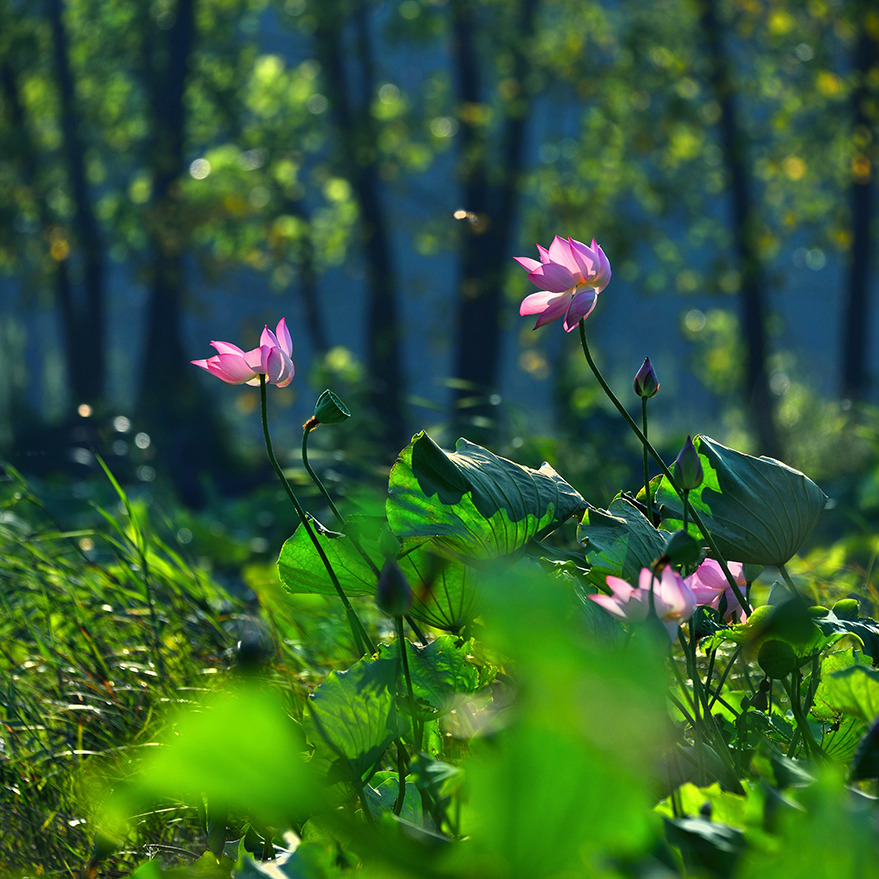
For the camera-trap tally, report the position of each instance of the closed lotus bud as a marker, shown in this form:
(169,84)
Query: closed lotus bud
(688,467)
(646,384)
(329,409)
(393,594)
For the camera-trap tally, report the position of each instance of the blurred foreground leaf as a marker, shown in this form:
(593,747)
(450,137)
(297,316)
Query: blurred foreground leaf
(238,750)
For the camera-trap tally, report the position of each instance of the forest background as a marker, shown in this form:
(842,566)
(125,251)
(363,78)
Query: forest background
(175,172)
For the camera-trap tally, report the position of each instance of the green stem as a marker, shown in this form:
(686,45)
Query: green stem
(335,511)
(788,580)
(401,780)
(718,689)
(648,502)
(665,470)
(316,479)
(793,691)
(404,658)
(362,640)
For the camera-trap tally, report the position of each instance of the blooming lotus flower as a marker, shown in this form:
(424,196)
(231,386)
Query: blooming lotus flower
(272,359)
(710,586)
(673,600)
(571,276)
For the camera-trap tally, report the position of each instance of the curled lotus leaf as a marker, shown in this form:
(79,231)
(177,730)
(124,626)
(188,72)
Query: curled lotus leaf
(759,510)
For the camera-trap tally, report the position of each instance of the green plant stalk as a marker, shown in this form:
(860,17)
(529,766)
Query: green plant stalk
(664,468)
(723,677)
(316,480)
(792,689)
(401,780)
(701,706)
(340,519)
(404,658)
(362,640)
(788,580)
(698,729)
(648,501)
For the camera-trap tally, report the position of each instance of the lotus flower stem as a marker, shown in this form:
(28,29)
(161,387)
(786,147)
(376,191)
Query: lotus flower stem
(362,640)
(416,732)
(648,501)
(723,677)
(340,519)
(306,430)
(664,468)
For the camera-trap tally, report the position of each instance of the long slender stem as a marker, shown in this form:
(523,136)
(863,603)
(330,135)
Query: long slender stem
(398,625)
(340,519)
(648,501)
(694,513)
(316,479)
(718,689)
(788,579)
(361,639)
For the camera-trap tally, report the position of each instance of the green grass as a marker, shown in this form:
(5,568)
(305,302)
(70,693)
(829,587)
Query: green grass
(100,628)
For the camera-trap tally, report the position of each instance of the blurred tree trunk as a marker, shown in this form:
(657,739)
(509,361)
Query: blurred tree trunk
(307,280)
(83,315)
(167,54)
(759,401)
(856,321)
(356,135)
(490,192)
(168,403)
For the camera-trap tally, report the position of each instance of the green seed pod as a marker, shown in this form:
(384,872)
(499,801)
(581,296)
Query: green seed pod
(329,409)
(777,659)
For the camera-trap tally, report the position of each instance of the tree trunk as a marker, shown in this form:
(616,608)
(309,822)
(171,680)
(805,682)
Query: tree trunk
(491,195)
(165,387)
(856,321)
(745,226)
(83,317)
(188,436)
(356,135)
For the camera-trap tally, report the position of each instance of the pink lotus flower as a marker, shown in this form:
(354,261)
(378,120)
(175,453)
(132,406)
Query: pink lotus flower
(571,276)
(673,601)
(709,584)
(272,359)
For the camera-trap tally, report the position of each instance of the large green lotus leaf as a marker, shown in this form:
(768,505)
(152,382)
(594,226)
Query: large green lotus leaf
(446,590)
(619,541)
(352,718)
(302,570)
(759,510)
(440,672)
(473,503)
(854,691)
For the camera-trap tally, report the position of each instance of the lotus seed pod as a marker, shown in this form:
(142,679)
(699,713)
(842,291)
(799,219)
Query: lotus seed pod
(777,659)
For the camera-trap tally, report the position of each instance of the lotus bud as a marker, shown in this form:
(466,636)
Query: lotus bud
(646,383)
(393,594)
(688,467)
